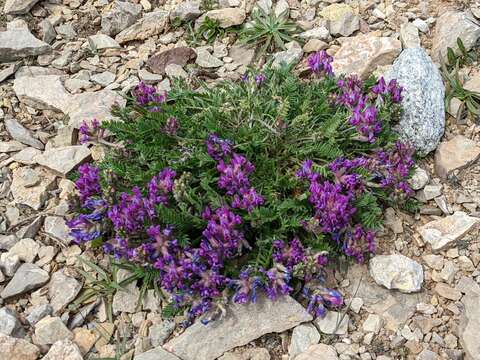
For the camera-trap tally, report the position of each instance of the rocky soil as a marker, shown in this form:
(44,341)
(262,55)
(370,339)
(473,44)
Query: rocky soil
(62,62)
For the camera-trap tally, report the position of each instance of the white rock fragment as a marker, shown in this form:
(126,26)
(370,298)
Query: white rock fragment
(397,272)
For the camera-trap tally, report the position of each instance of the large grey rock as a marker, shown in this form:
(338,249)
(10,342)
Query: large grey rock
(28,277)
(65,350)
(151,24)
(62,290)
(242,324)
(9,324)
(38,312)
(18,132)
(422,122)
(92,105)
(63,160)
(445,232)
(26,250)
(50,329)
(397,272)
(18,7)
(42,92)
(122,15)
(450,26)
(291,56)
(156,354)
(17,44)
(341,19)
(17,349)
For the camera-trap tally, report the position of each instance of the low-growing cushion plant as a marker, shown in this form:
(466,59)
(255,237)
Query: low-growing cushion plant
(246,188)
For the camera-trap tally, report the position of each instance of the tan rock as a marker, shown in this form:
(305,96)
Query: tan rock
(65,350)
(85,339)
(313,45)
(226,17)
(362,54)
(445,232)
(317,352)
(149,25)
(24,193)
(447,292)
(455,154)
(64,159)
(42,92)
(17,349)
(450,26)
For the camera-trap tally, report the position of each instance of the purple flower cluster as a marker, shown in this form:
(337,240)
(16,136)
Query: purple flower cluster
(288,255)
(146,95)
(331,202)
(392,168)
(171,126)
(234,170)
(382,89)
(320,298)
(364,111)
(359,242)
(133,210)
(88,183)
(90,132)
(320,63)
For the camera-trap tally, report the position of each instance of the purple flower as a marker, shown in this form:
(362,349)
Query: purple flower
(246,287)
(147,95)
(320,63)
(358,242)
(160,186)
(89,132)
(88,184)
(392,89)
(260,79)
(288,255)
(277,283)
(247,199)
(234,175)
(392,168)
(321,298)
(222,235)
(218,148)
(171,126)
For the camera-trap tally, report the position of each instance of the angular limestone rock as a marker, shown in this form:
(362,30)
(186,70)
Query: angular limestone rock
(455,154)
(242,324)
(445,232)
(63,160)
(362,54)
(397,272)
(17,44)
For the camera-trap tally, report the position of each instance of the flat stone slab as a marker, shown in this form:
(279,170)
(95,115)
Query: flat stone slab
(445,232)
(17,7)
(242,324)
(90,105)
(63,159)
(17,44)
(27,277)
(45,92)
